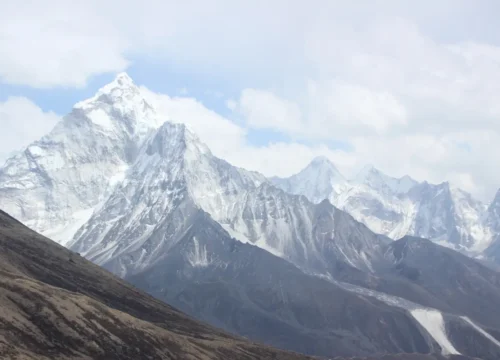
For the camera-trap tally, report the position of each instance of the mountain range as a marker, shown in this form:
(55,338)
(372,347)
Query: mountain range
(397,207)
(58,305)
(314,263)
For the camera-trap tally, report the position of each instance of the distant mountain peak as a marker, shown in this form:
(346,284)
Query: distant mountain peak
(368,168)
(368,171)
(322,168)
(408,178)
(321,160)
(319,180)
(373,177)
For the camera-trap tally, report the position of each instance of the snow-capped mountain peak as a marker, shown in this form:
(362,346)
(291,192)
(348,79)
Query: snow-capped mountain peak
(120,105)
(376,179)
(317,181)
(122,88)
(54,185)
(323,170)
(123,79)
(322,163)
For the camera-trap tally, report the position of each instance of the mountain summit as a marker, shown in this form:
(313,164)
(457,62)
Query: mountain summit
(54,185)
(374,178)
(318,181)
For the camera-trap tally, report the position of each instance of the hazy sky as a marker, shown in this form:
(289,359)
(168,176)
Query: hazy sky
(410,87)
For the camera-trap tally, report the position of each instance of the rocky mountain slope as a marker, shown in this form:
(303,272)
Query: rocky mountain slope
(60,305)
(467,286)
(175,175)
(56,304)
(493,221)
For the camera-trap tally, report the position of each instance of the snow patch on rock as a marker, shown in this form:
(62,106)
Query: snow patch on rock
(433,322)
(198,257)
(481,331)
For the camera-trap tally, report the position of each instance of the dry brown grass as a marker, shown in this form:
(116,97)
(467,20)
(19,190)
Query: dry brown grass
(56,305)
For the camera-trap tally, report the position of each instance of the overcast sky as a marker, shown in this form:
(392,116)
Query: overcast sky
(410,87)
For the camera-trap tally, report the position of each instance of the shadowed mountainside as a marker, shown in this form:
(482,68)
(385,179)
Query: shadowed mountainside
(54,304)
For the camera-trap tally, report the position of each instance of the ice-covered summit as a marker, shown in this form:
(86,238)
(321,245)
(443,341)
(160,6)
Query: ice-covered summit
(317,181)
(120,105)
(121,88)
(54,184)
(376,179)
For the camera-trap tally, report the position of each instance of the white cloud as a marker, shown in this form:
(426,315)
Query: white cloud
(331,110)
(231,104)
(343,109)
(228,140)
(407,86)
(61,43)
(285,159)
(22,122)
(465,158)
(403,101)
(220,134)
(57,43)
(264,110)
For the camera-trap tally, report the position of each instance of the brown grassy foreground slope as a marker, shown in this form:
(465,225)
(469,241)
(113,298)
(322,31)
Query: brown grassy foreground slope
(56,305)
